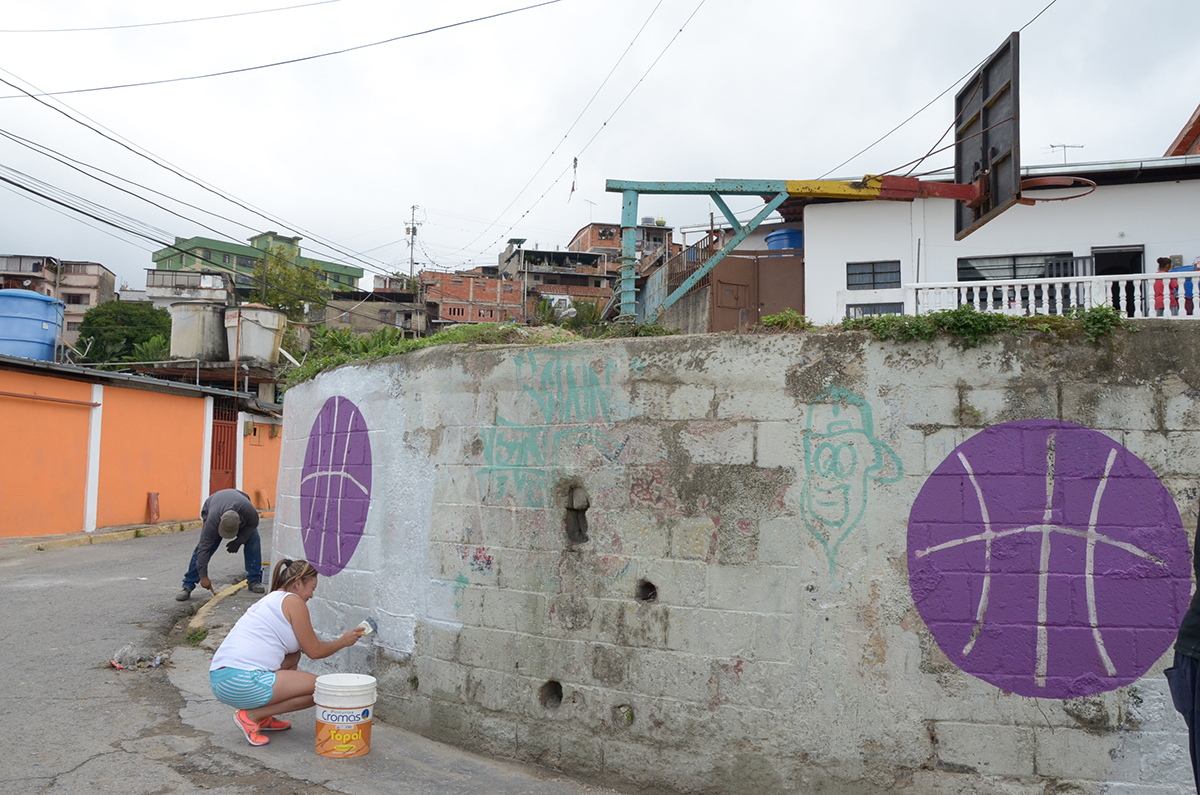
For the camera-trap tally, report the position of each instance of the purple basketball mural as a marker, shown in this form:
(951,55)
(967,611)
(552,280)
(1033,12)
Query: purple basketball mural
(335,486)
(1048,560)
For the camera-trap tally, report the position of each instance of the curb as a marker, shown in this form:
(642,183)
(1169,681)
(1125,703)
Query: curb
(197,622)
(83,540)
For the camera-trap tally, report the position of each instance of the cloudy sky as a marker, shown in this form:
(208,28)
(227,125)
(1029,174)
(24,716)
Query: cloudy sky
(486,126)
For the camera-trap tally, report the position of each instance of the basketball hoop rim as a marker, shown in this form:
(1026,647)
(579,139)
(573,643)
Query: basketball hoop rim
(1055,182)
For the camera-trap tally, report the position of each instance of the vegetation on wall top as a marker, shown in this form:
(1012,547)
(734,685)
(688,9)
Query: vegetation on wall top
(967,326)
(332,348)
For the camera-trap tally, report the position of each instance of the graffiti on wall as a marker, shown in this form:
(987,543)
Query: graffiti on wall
(842,457)
(571,400)
(1048,560)
(335,486)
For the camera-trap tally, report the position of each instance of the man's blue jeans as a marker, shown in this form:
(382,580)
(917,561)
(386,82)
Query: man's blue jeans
(251,550)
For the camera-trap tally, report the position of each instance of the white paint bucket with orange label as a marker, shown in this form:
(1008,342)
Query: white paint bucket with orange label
(345,703)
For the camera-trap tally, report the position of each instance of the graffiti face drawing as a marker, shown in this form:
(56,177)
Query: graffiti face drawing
(1048,560)
(841,458)
(335,486)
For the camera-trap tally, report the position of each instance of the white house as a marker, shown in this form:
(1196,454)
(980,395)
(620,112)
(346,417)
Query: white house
(869,257)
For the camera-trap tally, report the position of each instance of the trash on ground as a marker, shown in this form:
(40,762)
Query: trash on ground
(126,659)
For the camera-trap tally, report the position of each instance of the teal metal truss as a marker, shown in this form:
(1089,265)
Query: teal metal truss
(774,191)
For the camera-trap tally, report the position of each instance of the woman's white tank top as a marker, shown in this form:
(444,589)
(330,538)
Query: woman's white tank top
(260,639)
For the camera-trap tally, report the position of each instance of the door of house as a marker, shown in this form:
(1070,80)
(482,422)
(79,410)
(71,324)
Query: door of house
(734,288)
(762,285)
(1119,261)
(223,468)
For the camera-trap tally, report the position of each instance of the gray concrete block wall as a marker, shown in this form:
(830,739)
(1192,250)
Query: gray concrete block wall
(781,653)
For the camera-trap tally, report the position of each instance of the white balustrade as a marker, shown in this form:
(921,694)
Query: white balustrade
(1133,294)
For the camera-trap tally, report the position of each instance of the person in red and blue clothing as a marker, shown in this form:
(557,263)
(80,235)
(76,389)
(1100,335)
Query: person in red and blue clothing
(1161,287)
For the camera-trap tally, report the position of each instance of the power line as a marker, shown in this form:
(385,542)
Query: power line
(173,22)
(970,72)
(74,218)
(98,213)
(290,61)
(64,160)
(595,94)
(601,129)
(169,167)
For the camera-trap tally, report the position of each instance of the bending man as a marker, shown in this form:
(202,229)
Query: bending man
(229,516)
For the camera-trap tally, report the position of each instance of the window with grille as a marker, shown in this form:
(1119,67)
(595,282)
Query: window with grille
(77,298)
(866,310)
(873,275)
(1026,266)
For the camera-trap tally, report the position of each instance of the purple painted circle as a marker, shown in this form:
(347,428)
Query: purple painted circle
(335,486)
(1048,560)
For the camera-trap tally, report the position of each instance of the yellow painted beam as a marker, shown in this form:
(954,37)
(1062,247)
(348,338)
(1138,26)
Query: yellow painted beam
(868,188)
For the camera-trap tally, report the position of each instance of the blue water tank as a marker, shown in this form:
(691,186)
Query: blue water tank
(785,238)
(29,324)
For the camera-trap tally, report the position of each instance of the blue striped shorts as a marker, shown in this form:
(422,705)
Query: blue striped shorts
(242,689)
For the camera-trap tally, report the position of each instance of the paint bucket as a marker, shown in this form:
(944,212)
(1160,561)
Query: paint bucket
(344,706)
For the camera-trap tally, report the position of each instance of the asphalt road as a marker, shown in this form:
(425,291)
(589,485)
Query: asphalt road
(73,724)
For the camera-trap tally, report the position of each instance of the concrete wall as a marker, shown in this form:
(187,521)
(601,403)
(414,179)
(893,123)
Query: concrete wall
(813,563)
(1156,216)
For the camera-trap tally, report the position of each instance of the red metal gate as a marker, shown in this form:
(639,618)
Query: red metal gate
(223,472)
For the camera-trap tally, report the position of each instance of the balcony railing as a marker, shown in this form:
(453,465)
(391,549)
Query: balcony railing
(1133,294)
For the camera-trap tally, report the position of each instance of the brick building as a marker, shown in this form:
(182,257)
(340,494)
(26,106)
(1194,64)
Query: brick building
(652,241)
(471,297)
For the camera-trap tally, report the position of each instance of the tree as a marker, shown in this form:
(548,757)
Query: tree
(109,331)
(288,287)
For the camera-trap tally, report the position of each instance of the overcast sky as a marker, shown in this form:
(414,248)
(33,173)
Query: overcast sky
(459,121)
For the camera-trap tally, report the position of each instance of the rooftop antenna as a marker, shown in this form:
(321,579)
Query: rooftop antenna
(1065,147)
(591,204)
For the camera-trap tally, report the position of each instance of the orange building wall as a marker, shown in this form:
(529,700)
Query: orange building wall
(260,465)
(150,442)
(44,466)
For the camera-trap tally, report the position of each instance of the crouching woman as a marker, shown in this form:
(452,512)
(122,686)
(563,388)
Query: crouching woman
(254,669)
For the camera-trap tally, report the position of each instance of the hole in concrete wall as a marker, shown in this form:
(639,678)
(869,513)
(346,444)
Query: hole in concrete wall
(413,682)
(646,591)
(550,695)
(576,524)
(622,715)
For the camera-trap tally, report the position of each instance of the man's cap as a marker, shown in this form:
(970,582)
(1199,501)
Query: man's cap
(230,522)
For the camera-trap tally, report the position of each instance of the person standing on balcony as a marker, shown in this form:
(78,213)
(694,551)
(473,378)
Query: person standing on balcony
(1188,300)
(1161,287)
(229,516)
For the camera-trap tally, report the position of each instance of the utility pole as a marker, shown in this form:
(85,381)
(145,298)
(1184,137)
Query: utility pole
(412,244)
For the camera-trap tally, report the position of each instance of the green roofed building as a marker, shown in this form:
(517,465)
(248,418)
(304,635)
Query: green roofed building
(206,254)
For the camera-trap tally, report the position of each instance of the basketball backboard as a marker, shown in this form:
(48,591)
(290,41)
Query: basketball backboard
(987,138)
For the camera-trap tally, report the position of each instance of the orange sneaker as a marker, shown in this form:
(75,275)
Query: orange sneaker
(274,724)
(249,728)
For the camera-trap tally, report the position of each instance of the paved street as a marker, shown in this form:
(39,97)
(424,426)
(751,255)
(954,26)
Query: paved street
(73,724)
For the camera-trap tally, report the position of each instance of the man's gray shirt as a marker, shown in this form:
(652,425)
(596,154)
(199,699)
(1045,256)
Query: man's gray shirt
(210,513)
